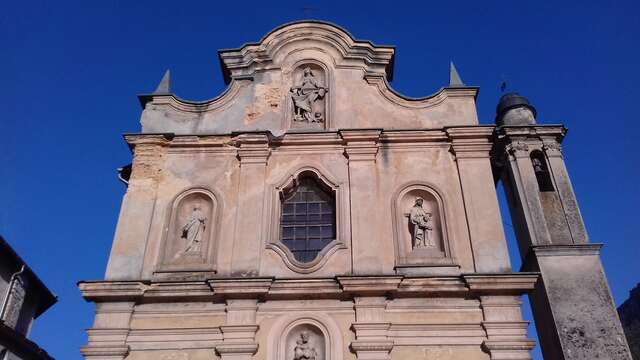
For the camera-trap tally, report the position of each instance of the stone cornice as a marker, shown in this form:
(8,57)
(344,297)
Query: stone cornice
(435,99)
(351,52)
(340,287)
(567,250)
(361,144)
(253,148)
(358,144)
(471,142)
(537,132)
(513,284)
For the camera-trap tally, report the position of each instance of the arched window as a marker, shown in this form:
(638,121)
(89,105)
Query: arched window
(308,217)
(542,171)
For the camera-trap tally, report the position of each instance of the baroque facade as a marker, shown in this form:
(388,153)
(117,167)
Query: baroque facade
(310,212)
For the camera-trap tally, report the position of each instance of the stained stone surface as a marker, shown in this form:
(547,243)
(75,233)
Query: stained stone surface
(199,266)
(629,313)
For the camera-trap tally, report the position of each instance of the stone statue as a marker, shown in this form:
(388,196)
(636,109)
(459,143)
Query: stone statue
(305,97)
(193,229)
(304,351)
(422,225)
(537,165)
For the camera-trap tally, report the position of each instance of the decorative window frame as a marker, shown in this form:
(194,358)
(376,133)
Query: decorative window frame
(327,326)
(274,210)
(288,119)
(209,260)
(404,250)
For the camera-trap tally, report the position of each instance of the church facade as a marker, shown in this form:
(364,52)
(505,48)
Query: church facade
(310,212)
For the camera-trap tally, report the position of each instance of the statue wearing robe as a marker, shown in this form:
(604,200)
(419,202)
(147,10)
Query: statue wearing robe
(305,96)
(192,231)
(422,225)
(304,351)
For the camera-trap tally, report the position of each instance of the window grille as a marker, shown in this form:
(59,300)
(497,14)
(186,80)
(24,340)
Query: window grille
(308,220)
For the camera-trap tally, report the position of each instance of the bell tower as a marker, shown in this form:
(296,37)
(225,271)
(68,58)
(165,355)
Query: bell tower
(572,305)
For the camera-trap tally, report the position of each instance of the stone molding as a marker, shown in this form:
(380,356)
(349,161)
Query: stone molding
(334,288)
(471,142)
(101,352)
(213,233)
(352,53)
(253,148)
(324,323)
(501,283)
(361,145)
(272,218)
(567,250)
(403,252)
(435,99)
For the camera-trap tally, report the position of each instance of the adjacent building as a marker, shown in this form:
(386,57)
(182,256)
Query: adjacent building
(24,298)
(311,212)
(629,313)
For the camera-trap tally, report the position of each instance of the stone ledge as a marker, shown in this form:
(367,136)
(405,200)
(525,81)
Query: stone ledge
(340,287)
(248,348)
(567,250)
(511,284)
(102,351)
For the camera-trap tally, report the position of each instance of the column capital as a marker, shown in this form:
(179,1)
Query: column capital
(253,148)
(361,145)
(471,142)
(552,148)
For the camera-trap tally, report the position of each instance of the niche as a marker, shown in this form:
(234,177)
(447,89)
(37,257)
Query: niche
(420,231)
(309,97)
(305,342)
(540,168)
(189,237)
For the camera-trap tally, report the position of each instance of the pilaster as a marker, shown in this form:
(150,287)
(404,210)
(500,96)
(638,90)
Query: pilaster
(361,150)
(132,231)
(372,340)
(553,152)
(471,147)
(523,195)
(253,154)
(107,338)
(506,331)
(239,331)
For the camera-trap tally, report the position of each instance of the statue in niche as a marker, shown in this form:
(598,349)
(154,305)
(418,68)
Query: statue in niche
(422,225)
(303,350)
(192,231)
(537,165)
(305,98)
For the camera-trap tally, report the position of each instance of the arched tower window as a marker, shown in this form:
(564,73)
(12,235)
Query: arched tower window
(308,217)
(540,168)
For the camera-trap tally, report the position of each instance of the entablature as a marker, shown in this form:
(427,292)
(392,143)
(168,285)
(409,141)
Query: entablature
(340,287)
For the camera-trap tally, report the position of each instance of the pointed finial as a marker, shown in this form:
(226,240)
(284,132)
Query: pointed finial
(165,84)
(454,78)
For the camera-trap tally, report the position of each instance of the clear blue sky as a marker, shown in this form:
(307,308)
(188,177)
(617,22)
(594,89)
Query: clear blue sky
(69,73)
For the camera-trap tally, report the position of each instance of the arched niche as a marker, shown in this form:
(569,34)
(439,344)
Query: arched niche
(189,238)
(420,229)
(314,333)
(308,98)
(280,192)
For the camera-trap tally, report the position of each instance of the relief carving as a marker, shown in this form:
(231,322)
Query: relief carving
(308,97)
(420,231)
(305,342)
(303,350)
(189,240)
(422,225)
(517,146)
(192,231)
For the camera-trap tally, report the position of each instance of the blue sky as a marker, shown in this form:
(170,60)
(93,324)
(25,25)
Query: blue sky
(70,72)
